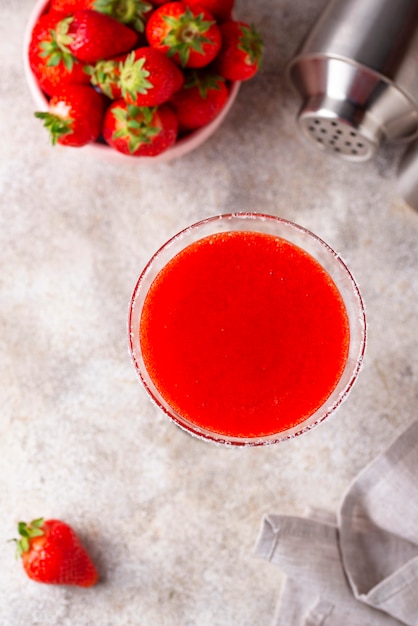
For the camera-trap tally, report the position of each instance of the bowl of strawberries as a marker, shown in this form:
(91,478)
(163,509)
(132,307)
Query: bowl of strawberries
(136,78)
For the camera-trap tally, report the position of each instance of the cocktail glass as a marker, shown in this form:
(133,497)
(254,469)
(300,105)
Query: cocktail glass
(304,240)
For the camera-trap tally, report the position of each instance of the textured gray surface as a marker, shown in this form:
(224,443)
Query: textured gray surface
(172,521)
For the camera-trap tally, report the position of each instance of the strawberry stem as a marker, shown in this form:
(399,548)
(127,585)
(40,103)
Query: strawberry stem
(135,125)
(204,81)
(134,77)
(57,50)
(27,532)
(251,43)
(104,75)
(187,32)
(57,127)
(130,12)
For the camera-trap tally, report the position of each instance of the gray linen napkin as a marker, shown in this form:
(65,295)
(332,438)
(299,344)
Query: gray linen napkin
(360,567)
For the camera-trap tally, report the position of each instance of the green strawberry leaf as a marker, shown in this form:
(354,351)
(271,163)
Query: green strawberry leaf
(204,81)
(134,77)
(135,125)
(104,75)
(57,127)
(130,12)
(37,523)
(251,43)
(56,50)
(187,32)
(27,532)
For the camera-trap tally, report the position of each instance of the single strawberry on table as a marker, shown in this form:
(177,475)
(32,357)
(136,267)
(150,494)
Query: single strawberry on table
(53,66)
(74,116)
(241,52)
(198,102)
(144,77)
(189,35)
(139,131)
(52,553)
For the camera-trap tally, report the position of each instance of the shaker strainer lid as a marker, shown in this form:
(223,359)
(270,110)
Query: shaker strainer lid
(335,127)
(347,109)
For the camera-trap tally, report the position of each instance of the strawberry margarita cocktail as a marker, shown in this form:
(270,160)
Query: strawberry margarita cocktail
(247,329)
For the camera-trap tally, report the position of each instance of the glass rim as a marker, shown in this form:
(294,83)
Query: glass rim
(353,364)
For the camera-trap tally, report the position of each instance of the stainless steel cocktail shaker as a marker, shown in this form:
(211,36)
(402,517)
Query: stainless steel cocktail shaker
(407,180)
(357,74)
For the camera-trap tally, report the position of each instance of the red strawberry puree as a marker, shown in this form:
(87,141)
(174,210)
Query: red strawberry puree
(244,334)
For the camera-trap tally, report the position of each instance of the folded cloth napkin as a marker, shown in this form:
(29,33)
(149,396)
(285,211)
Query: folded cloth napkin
(359,567)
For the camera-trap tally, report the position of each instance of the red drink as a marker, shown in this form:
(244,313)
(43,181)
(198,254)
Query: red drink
(243,336)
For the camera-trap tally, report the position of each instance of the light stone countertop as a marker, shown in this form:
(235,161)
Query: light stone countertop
(172,521)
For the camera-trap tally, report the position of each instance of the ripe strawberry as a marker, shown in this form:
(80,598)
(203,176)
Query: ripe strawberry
(140,131)
(75,115)
(70,6)
(52,553)
(91,36)
(200,100)
(241,52)
(145,77)
(220,9)
(132,12)
(52,66)
(189,35)
(105,75)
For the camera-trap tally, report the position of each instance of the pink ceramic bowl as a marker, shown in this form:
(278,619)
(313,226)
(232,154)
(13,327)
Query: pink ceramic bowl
(182,146)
